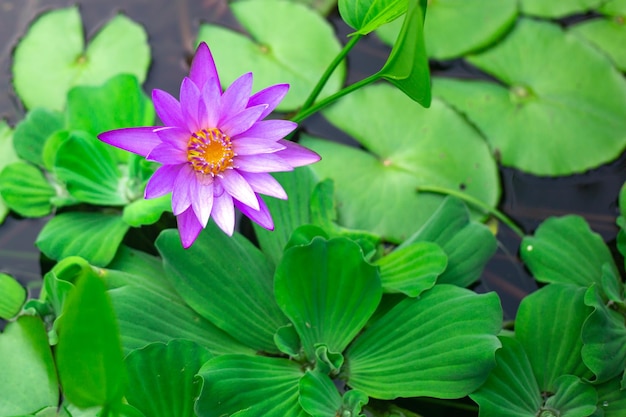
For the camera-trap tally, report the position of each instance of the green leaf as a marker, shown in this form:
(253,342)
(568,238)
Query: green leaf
(25,189)
(328,291)
(236,270)
(553,346)
(407,65)
(455,27)
(29,380)
(604,338)
(408,353)
(409,147)
(270,52)
(89,170)
(56,38)
(532,118)
(161,378)
(7,156)
(256,385)
(89,353)
(318,395)
(572,397)
(468,244)
(511,388)
(146,211)
(366,16)
(287,214)
(607,34)
(12,296)
(556,9)
(566,250)
(31,133)
(611,399)
(413,268)
(93,236)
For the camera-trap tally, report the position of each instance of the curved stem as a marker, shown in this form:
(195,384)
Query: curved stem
(304,113)
(331,68)
(476,203)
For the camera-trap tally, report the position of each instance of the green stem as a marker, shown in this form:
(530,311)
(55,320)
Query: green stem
(476,203)
(331,68)
(304,113)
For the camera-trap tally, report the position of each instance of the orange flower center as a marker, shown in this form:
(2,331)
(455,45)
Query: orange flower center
(209,151)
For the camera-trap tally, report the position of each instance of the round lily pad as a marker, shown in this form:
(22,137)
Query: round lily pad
(607,34)
(408,147)
(557,8)
(559,108)
(51,58)
(456,27)
(271,52)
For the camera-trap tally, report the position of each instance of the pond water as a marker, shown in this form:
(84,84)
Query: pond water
(172,26)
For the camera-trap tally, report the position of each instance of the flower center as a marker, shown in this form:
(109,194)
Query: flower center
(209,151)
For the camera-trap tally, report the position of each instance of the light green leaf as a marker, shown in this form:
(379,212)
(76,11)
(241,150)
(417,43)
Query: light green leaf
(232,268)
(25,189)
(318,395)
(7,156)
(553,346)
(412,269)
(607,34)
(572,397)
(161,378)
(12,296)
(32,133)
(91,235)
(409,147)
(240,385)
(366,16)
(89,353)
(407,353)
(559,8)
(28,381)
(146,211)
(270,52)
(56,38)
(533,118)
(328,291)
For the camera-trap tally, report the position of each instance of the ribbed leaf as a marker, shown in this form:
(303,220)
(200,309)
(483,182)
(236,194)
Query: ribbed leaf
(7,156)
(318,395)
(572,397)
(31,133)
(234,275)
(12,296)
(366,16)
(441,345)
(611,399)
(25,190)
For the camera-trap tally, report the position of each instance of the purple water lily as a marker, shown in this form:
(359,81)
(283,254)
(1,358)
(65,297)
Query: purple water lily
(216,151)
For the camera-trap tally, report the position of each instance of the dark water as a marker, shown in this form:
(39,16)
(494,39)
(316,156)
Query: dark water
(172,26)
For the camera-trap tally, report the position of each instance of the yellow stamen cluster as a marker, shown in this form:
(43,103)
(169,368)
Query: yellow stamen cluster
(210,152)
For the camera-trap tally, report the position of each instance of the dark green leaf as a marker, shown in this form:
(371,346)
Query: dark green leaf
(31,133)
(572,397)
(318,395)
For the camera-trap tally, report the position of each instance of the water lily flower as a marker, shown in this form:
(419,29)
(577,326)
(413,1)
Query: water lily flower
(215,149)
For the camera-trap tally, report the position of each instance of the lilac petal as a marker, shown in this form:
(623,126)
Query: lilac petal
(241,121)
(236,97)
(238,187)
(175,136)
(162,181)
(188,227)
(268,129)
(184,188)
(261,216)
(297,155)
(168,109)
(139,140)
(190,104)
(264,183)
(203,202)
(223,213)
(255,146)
(271,96)
(166,154)
(268,162)
(212,98)
(203,69)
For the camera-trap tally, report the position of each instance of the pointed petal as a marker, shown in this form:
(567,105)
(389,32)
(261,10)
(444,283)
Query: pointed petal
(184,187)
(203,202)
(268,129)
(190,104)
(162,181)
(175,136)
(242,121)
(203,69)
(212,98)
(297,155)
(264,183)
(188,227)
(223,213)
(168,109)
(238,187)
(139,140)
(262,216)
(235,98)
(166,154)
(256,146)
(268,162)
(271,96)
